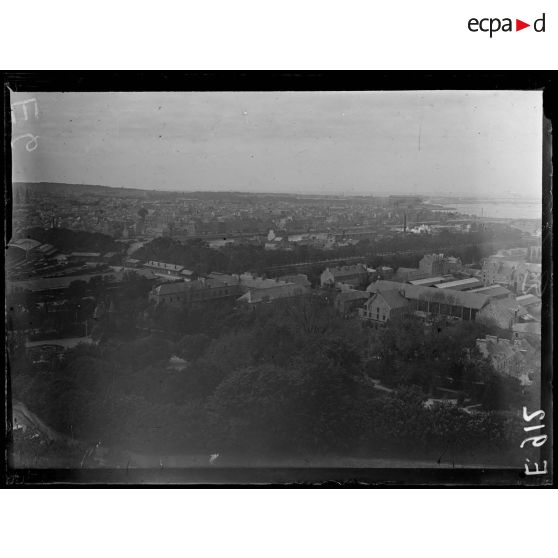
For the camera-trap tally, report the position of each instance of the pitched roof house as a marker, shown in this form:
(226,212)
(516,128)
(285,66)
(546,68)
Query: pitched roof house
(269,293)
(199,290)
(433,301)
(383,306)
(349,274)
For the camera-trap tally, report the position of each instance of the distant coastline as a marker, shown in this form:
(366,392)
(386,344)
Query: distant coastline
(499,209)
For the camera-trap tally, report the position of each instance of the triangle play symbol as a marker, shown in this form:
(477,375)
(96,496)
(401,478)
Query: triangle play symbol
(519,25)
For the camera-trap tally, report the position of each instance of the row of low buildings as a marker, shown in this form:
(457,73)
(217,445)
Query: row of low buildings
(58,285)
(27,258)
(244,288)
(390,299)
(353,276)
(319,240)
(461,295)
(384,300)
(517,357)
(431,265)
(360,276)
(169,270)
(434,269)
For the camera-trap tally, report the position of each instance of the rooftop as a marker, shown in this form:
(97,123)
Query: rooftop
(47,249)
(176,287)
(165,266)
(25,243)
(474,301)
(492,290)
(528,299)
(427,281)
(51,283)
(394,299)
(280,290)
(459,283)
(345,296)
(507,306)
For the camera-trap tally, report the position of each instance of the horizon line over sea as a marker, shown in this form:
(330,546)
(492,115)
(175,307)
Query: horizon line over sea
(497,209)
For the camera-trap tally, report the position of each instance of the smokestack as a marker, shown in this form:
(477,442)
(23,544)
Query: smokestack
(405,222)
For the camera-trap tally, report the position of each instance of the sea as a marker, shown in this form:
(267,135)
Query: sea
(500,209)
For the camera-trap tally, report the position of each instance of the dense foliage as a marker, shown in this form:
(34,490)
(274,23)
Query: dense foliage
(286,379)
(395,251)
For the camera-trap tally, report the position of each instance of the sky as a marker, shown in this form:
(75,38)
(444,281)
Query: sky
(464,143)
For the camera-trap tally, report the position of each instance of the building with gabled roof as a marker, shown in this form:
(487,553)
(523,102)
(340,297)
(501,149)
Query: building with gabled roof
(460,284)
(281,290)
(200,290)
(165,268)
(428,281)
(383,306)
(430,301)
(438,264)
(349,274)
(26,244)
(493,291)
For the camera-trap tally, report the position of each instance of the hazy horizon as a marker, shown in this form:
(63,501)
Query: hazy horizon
(485,144)
(427,195)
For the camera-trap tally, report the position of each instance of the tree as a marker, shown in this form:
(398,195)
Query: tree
(192,347)
(502,393)
(77,289)
(258,410)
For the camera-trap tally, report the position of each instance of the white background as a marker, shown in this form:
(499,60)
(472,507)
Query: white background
(264,34)
(278,523)
(272,34)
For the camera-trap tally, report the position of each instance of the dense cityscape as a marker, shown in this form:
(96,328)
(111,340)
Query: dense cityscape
(151,328)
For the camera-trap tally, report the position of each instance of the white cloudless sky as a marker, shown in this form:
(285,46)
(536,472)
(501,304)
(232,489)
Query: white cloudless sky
(465,143)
